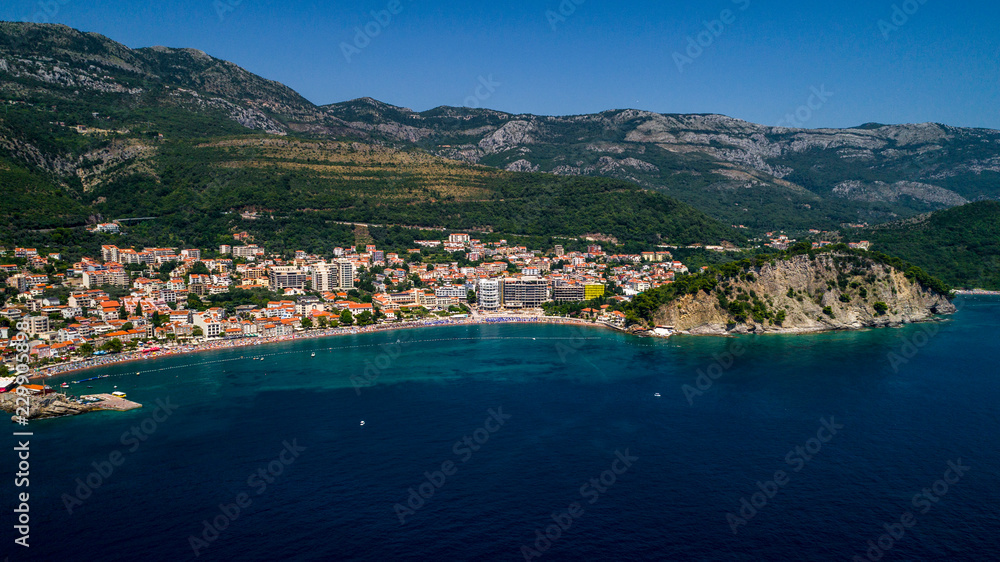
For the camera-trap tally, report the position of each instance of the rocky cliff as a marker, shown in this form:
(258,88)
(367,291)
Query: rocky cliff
(806,294)
(48,406)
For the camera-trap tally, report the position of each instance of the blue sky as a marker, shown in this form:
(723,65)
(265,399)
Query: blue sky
(760,60)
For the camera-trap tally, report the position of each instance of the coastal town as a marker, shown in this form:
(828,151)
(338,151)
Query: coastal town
(129,302)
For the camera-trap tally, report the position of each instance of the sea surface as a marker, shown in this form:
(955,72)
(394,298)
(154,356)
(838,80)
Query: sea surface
(837,434)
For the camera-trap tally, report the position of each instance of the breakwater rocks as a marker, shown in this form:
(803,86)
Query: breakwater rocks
(59,405)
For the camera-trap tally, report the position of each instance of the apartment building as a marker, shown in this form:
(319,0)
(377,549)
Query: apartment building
(524,292)
(488,294)
(336,275)
(287,277)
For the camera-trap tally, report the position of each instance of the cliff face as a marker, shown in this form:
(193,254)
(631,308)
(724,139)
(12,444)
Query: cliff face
(48,406)
(830,292)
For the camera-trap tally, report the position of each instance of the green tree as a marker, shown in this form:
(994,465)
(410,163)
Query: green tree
(113,346)
(779,318)
(86,349)
(194,302)
(199,268)
(307,323)
(128,326)
(880,308)
(138,309)
(166,269)
(471,296)
(346,318)
(365,319)
(322,322)
(197,332)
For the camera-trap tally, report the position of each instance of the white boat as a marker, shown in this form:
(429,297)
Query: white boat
(119,394)
(657,395)
(362,422)
(314,354)
(65,385)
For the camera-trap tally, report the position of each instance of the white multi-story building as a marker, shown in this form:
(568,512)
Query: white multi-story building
(37,324)
(488,295)
(249,251)
(115,277)
(109,253)
(287,277)
(454,291)
(336,275)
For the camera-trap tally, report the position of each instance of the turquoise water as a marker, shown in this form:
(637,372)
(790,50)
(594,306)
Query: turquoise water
(573,402)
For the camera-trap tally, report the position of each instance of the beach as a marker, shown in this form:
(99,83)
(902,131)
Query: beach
(184,349)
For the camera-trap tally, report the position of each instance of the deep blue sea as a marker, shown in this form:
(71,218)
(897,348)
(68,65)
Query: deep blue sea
(786,448)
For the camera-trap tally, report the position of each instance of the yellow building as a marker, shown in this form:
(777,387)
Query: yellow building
(592,291)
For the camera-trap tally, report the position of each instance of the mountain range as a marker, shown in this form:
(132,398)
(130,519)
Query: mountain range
(92,129)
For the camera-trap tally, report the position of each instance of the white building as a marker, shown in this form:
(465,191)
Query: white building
(330,276)
(488,295)
(209,324)
(454,291)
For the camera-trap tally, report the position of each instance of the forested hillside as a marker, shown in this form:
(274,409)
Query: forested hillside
(960,245)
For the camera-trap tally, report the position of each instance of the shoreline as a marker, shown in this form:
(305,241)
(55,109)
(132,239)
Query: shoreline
(134,356)
(973,292)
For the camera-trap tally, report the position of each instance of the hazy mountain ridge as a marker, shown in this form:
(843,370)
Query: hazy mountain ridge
(927,165)
(739,172)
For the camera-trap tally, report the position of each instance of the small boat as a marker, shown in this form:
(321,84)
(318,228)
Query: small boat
(362,422)
(118,394)
(657,395)
(314,354)
(88,386)
(64,385)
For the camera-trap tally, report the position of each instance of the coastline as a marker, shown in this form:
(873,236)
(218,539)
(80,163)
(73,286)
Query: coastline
(134,356)
(981,292)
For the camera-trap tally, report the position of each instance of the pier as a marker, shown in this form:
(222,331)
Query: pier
(109,402)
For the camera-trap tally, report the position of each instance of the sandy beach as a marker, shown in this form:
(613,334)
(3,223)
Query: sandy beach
(184,349)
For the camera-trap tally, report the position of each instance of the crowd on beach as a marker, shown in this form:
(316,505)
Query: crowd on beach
(106,360)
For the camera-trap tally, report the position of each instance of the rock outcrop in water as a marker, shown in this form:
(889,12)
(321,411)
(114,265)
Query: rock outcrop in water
(59,405)
(48,406)
(828,291)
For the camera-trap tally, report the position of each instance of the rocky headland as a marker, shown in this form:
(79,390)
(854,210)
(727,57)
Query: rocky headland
(806,293)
